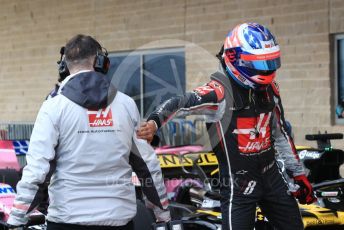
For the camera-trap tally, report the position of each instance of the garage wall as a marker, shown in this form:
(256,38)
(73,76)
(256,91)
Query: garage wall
(31,33)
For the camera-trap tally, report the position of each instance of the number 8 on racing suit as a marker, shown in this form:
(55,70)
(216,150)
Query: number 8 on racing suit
(246,126)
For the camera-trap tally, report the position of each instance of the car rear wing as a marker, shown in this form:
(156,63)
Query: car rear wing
(323,140)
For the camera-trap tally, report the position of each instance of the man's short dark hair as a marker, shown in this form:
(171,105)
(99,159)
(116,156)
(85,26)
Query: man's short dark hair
(80,48)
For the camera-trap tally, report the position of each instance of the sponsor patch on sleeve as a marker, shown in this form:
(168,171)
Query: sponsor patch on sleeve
(218,88)
(203,90)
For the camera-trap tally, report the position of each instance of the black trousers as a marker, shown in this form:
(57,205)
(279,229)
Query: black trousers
(61,226)
(267,190)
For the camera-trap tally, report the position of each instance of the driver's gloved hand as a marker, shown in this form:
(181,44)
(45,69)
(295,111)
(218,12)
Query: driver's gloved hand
(304,194)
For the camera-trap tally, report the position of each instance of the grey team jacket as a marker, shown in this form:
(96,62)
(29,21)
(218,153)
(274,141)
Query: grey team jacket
(89,153)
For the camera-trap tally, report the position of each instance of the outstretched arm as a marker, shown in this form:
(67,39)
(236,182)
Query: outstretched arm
(205,100)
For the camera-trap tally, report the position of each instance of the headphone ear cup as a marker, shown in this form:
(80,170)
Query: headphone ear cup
(63,70)
(101,63)
(106,65)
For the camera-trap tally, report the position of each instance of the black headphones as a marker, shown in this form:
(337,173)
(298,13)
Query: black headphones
(62,66)
(101,63)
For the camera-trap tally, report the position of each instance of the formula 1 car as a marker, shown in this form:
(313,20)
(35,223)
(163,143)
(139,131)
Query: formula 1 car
(196,201)
(7,195)
(326,213)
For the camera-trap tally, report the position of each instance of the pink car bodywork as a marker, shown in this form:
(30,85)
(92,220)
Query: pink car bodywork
(7,195)
(8,158)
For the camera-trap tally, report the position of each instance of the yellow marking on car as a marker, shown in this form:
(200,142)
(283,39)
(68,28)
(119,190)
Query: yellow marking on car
(170,160)
(321,216)
(214,172)
(301,147)
(212,213)
(173,160)
(313,215)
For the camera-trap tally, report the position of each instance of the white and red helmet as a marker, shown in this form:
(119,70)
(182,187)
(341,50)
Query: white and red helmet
(251,55)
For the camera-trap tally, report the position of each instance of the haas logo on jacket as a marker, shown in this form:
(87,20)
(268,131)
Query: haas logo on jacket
(253,133)
(100,118)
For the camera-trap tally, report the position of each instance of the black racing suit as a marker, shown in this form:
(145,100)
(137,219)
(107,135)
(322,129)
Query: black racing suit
(246,128)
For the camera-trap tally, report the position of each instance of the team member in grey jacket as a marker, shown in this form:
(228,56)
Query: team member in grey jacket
(83,137)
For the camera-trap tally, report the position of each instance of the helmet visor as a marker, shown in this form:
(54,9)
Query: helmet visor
(266,65)
(266,62)
(255,72)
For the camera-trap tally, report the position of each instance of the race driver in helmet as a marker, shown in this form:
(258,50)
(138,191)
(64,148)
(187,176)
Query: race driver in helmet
(247,130)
